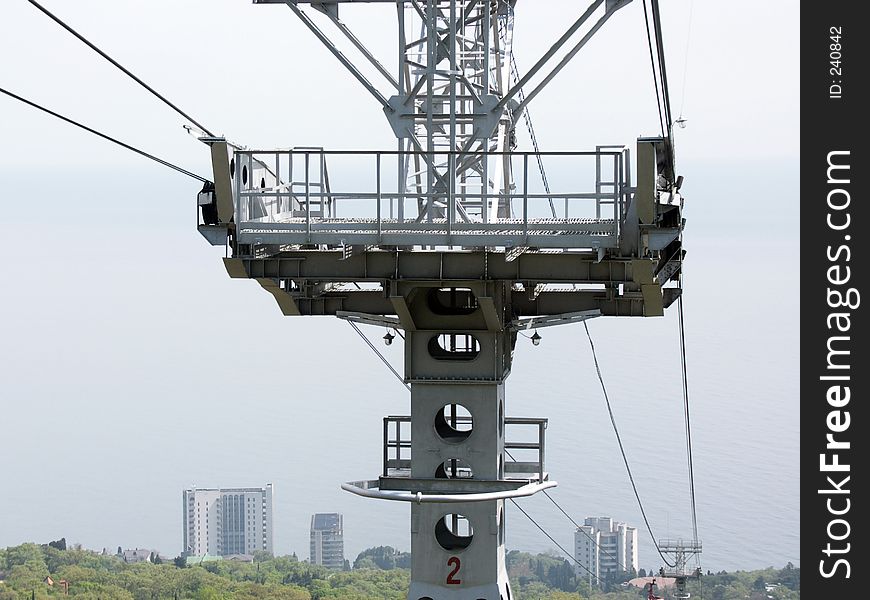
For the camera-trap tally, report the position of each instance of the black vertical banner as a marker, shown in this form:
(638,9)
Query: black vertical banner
(835,354)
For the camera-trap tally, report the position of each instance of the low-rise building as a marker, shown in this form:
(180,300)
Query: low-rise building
(138,555)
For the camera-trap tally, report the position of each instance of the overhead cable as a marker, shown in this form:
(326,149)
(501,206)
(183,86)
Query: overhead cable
(119,66)
(686,406)
(165,163)
(652,61)
(621,448)
(576,524)
(550,537)
(660,77)
(528,118)
(663,71)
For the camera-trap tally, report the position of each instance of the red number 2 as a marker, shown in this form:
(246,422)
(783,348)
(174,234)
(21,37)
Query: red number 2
(453,562)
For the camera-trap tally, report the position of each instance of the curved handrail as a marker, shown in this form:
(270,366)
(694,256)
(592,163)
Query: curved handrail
(372,491)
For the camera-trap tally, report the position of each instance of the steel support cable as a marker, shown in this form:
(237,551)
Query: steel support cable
(688,421)
(104,136)
(685,378)
(663,96)
(378,352)
(119,66)
(621,448)
(550,537)
(652,61)
(663,71)
(663,74)
(576,524)
(528,119)
(665,86)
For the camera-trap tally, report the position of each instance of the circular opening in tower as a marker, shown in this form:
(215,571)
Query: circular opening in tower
(453,468)
(454,346)
(454,532)
(453,423)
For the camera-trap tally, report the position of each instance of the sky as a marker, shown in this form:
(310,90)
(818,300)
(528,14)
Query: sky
(132,367)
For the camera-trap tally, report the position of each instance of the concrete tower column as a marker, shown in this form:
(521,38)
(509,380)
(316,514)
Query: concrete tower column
(457,354)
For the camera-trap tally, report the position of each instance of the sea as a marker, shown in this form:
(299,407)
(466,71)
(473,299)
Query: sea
(140,369)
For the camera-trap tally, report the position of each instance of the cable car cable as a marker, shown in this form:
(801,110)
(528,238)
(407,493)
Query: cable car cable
(653,65)
(621,448)
(663,71)
(685,380)
(165,163)
(686,406)
(119,66)
(550,537)
(576,524)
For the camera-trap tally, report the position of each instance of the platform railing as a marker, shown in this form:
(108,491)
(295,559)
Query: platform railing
(314,196)
(397,447)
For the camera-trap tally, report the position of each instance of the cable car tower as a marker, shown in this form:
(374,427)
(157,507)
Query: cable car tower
(451,239)
(681,551)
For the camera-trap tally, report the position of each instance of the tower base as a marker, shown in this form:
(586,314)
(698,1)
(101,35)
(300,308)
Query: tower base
(427,591)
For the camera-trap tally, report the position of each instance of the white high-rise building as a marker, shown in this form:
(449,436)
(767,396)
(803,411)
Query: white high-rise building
(327,540)
(604,548)
(586,543)
(227,521)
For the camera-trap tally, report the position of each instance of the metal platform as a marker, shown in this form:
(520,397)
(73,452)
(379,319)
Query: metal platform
(506,233)
(299,197)
(524,449)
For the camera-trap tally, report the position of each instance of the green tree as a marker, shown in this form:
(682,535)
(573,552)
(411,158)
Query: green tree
(534,577)
(790,577)
(758,584)
(28,576)
(18,555)
(382,557)
(210,593)
(7,594)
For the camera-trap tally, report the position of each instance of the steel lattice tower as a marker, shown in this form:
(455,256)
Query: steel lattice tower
(451,240)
